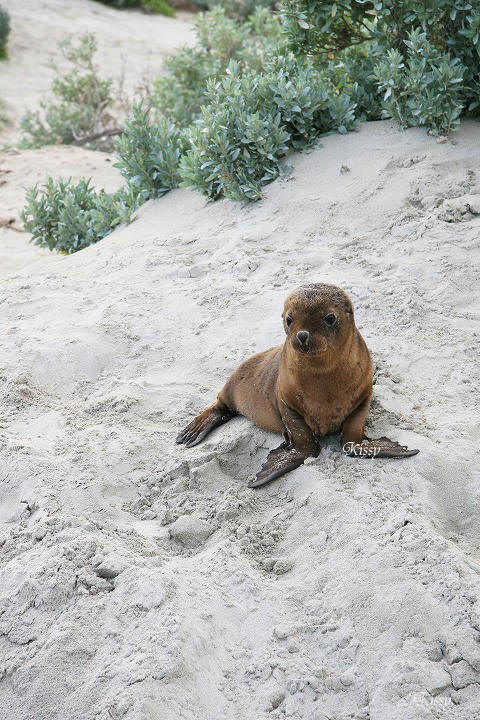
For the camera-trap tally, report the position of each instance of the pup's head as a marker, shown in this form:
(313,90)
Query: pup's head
(318,319)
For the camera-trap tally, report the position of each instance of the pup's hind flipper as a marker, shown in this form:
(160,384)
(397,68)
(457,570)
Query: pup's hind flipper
(213,416)
(279,461)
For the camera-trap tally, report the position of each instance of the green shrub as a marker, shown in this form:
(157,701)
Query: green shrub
(4,32)
(247,94)
(327,27)
(236,145)
(66,217)
(239,9)
(351,70)
(81,103)
(424,90)
(250,122)
(5,119)
(227,113)
(430,71)
(155,6)
(149,155)
(181,93)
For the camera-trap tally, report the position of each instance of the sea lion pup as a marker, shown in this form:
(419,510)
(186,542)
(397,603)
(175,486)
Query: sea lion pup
(318,382)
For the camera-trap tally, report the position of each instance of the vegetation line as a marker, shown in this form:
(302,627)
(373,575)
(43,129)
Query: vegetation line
(258,84)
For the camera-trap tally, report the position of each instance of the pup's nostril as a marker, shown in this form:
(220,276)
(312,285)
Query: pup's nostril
(303,336)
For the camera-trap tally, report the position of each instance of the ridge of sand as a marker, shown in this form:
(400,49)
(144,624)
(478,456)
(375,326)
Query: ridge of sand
(139,580)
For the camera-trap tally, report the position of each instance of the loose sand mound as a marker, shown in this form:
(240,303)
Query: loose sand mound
(141,580)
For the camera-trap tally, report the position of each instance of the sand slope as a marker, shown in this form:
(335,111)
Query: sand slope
(141,580)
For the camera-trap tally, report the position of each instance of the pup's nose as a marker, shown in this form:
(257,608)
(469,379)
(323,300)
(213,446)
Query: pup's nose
(303,336)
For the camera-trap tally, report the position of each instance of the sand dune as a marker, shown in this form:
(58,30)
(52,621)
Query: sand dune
(141,580)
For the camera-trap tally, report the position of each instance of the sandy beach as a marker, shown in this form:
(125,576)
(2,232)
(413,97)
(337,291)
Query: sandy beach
(144,581)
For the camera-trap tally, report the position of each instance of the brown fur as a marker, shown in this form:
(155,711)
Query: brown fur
(302,391)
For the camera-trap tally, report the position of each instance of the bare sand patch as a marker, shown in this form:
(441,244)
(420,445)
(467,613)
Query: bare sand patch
(142,580)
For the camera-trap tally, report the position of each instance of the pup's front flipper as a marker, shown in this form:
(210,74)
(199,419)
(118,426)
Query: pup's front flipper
(380,448)
(213,416)
(300,443)
(279,462)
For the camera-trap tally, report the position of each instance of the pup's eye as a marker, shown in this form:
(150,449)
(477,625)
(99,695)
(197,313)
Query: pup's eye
(288,320)
(330,319)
